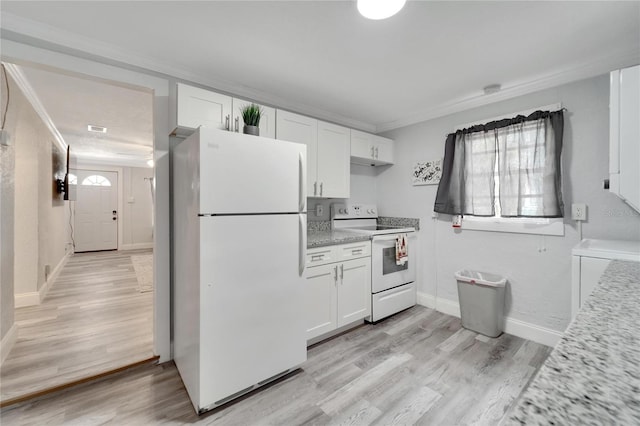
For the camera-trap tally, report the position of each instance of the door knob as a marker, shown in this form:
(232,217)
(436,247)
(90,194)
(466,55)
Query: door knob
(113,212)
(114,218)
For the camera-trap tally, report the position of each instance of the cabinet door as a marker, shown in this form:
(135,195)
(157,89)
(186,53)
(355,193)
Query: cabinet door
(591,269)
(199,107)
(298,128)
(361,145)
(383,148)
(334,150)
(354,290)
(630,136)
(321,299)
(267,119)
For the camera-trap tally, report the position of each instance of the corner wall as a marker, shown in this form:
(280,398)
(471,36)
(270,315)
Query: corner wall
(538,267)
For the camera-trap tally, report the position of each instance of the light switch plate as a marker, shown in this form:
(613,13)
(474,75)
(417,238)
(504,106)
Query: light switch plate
(579,211)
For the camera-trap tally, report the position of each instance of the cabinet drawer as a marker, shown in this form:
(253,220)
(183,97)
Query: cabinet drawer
(321,256)
(353,250)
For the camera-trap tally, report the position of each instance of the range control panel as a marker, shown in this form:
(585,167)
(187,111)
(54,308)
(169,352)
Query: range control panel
(354,211)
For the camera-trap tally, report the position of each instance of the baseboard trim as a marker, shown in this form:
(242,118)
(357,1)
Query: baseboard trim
(526,330)
(136,246)
(36,297)
(8,341)
(27,299)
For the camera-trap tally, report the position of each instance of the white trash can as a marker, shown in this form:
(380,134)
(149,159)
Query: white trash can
(481,297)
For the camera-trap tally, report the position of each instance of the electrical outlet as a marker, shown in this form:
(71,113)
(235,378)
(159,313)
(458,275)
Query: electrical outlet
(319,210)
(579,211)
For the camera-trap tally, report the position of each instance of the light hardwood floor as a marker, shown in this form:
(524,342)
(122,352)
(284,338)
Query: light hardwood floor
(418,367)
(92,320)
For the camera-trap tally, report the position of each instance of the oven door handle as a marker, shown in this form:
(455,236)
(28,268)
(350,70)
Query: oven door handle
(391,237)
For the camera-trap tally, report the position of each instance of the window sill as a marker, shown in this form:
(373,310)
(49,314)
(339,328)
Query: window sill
(540,226)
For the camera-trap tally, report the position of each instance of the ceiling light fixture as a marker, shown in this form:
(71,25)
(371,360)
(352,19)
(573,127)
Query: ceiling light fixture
(379,9)
(150,163)
(96,129)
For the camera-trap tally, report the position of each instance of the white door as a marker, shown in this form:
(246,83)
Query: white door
(200,107)
(321,299)
(298,128)
(250,174)
(334,166)
(96,211)
(354,290)
(252,324)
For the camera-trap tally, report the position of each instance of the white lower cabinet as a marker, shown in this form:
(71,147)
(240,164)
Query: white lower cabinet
(338,293)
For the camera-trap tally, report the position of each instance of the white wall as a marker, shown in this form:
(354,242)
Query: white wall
(363,190)
(138,221)
(40,214)
(539,281)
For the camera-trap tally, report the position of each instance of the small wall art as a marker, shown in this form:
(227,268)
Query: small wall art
(427,172)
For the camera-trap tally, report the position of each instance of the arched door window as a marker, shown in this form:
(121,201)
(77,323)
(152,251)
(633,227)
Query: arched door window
(96,180)
(73,179)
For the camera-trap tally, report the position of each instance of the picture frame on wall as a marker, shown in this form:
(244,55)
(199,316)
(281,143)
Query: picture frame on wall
(427,172)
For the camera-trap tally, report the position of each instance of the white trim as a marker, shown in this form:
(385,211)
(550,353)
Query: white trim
(525,330)
(518,225)
(23,84)
(36,297)
(27,299)
(600,66)
(136,246)
(7,343)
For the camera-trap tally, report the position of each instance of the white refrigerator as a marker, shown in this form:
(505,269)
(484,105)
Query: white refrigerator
(239,247)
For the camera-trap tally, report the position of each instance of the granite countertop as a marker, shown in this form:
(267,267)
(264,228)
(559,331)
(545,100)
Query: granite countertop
(593,374)
(321,238)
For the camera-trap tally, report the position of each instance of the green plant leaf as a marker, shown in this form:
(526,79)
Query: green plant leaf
(251,115)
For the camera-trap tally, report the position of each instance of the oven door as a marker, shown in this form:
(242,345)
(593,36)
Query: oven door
(385,273)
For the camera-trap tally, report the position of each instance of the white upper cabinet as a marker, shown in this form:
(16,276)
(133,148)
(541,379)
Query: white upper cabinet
(328,147)
(192,107)
(370,150)
(267,119)
(334,170)
(624,135)
(298,128)
(196,107)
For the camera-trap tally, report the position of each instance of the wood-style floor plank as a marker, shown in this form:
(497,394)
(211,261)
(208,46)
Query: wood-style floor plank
(92,320)
(418,367)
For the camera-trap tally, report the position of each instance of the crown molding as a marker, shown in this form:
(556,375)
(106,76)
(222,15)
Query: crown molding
(23,84)
(602,65)
(26,31)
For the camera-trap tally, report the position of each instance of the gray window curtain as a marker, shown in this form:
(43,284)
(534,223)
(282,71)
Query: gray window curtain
(518,158)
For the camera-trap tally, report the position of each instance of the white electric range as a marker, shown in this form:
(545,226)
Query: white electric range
(393,286)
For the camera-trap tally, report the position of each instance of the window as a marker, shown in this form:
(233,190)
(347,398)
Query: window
(96,180)
(505,175)
(73,179)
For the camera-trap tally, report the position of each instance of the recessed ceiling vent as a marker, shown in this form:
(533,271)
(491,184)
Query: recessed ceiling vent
(96,129)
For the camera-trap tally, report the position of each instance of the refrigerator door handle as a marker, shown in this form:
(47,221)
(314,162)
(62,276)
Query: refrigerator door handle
(302,241)
(302,184)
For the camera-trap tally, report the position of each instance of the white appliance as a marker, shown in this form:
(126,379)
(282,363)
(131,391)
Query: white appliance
(393,286)
(589,260)
(239,244)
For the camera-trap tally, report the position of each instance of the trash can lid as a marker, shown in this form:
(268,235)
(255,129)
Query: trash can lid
(483,278)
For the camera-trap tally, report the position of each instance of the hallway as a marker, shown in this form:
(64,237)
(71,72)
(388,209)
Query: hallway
(94,319)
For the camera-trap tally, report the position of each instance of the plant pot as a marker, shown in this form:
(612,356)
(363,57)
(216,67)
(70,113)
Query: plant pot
(251,130)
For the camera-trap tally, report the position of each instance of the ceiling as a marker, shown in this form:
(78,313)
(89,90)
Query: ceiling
(73,102)
(323,59)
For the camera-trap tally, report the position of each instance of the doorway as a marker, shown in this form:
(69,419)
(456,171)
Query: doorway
(93,315)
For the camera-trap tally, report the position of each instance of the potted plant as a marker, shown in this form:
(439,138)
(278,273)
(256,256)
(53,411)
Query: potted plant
(251,117)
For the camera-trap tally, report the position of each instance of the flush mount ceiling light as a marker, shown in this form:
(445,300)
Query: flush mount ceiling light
(379,9)
(150,163)
(96,129)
